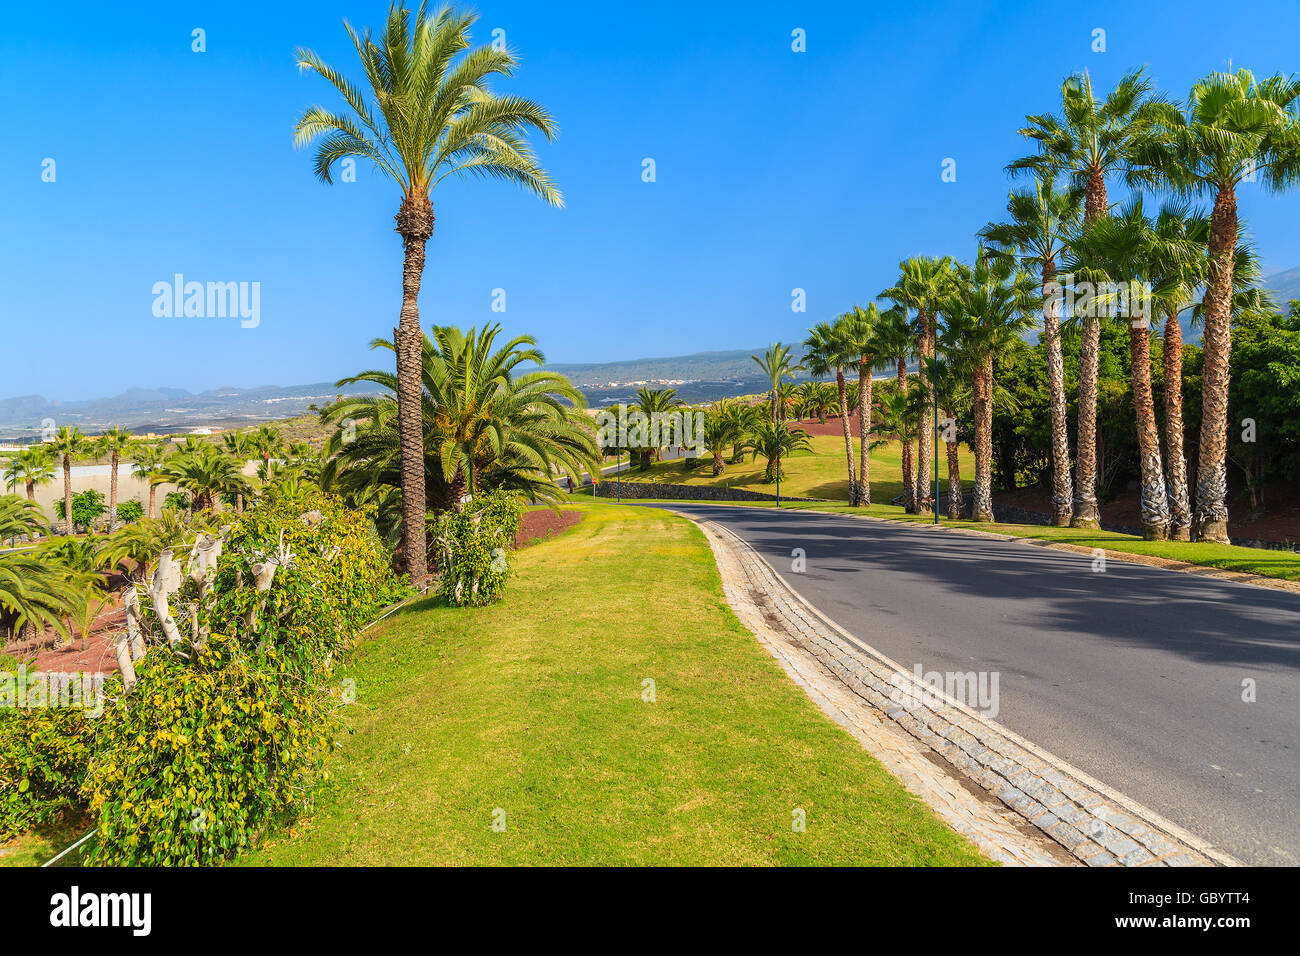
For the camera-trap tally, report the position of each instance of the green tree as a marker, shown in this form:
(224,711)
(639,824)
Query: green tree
(1232,128)
(424,115)
(68,445)
(777,364)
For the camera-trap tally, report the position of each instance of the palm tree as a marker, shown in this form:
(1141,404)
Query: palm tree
(1092,139)
(239,446)
(1117,249)
(428,116)
(653,402)
(989,308)
(69,444)
(113,442)
(748,417)
(901,416)
(486,425)
(265,442)
(148,466)
(206,473)
(1040,222)
(31,466)
(830,346)
(787,398)
(922,283)
(895,346)
(722,427)
(775,441)
(777,364)
(33,591)
(952,378)
(1232,127)
(860,327)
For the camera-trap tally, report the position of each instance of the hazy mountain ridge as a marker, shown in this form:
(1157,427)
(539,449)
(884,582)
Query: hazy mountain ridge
(1285,285)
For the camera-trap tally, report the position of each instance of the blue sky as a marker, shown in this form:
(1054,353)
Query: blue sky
(775,170)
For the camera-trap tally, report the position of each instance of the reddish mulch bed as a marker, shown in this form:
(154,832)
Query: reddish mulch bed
(831,426)
(542,523)
(94,654)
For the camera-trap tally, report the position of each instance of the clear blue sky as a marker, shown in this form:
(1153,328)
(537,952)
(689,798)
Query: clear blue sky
(775,170)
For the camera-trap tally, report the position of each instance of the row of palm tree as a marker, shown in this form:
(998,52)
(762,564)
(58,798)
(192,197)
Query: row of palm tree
(1062,234)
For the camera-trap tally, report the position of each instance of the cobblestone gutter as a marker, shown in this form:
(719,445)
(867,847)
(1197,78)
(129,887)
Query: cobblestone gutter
(999,790)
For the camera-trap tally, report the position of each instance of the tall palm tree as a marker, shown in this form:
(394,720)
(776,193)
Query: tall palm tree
(722,427)
(148,467)
(990,306)
(1040,222)
(32,466)
(830,347)
(901,417)
(68,445)
(922,283)
(1231,127)
(1093,138)
(425,115)
(861,329)
(113,442)
(952,378)
(895,346)
(777,364)
(1117,250)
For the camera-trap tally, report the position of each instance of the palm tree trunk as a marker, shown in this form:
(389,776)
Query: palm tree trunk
(1180,509)
(67,493)
(909,479)
(719,466)
(848,432)
(1155,503)
(955,502)
(864,430)
(112,492)
(1062,486)
(153,494)
(924,436)
(982,509)
(415,225)
(31,490)
(1086,512)
(1211,519)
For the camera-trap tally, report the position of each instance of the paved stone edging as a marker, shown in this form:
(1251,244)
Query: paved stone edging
(858,687)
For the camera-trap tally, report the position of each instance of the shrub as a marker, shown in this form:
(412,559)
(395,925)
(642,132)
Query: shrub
(470,547)
(177,500)
(213,745)
(129,512)
(87,506)
(44,752)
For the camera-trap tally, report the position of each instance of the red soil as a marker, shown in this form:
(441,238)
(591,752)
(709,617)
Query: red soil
(542,523)
(93,654)
(831,426)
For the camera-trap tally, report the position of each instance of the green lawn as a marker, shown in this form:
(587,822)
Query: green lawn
(534,706)
(822,474)
(1273,564)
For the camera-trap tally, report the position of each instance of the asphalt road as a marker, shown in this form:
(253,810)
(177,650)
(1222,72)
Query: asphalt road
(1134,675)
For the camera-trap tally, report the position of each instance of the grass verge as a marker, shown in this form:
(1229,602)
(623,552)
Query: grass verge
(535,706)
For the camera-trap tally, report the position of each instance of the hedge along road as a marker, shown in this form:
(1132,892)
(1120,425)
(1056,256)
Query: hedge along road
(1134,674)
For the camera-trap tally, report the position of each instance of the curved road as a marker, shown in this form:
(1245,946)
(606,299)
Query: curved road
(1134,675)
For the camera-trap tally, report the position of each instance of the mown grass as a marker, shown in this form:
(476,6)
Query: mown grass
(821,474)
(535,706)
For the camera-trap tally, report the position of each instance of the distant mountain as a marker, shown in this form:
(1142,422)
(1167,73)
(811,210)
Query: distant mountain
(1285,285)
(168,409)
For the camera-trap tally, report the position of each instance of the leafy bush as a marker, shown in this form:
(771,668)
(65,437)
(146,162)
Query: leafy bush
(129,512)
(212,746)
(87,506)
(177,500)
(44,752)
(470,545)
